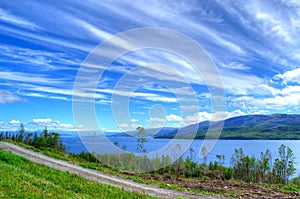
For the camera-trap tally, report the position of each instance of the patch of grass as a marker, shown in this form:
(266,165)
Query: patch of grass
(288,187)
(21,178)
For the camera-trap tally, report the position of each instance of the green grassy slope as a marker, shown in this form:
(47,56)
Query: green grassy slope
(20,178)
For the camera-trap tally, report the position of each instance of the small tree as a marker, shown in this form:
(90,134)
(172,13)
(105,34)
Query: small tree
(141,140)
(284,165)
(264,164)
(237,164)
(28,138)
(221,159)
(117,144)
(1,136)
(204,154)
(21,133)
(178,164)
(141,160)
(192,154)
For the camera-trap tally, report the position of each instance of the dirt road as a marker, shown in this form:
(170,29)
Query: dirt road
(98,176)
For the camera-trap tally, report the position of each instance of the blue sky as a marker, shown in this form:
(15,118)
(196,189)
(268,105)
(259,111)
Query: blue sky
(255,47)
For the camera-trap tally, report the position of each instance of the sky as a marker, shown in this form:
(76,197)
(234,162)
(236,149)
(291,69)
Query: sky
(44,44)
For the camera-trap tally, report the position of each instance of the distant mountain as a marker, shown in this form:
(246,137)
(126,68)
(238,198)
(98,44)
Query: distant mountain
(118,135)
(275,126)
(165,131)
(273,120)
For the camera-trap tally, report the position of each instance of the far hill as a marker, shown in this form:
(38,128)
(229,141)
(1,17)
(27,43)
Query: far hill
(275,126)
(152,132)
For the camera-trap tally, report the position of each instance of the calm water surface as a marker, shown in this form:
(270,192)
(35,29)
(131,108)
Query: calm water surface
(225,147)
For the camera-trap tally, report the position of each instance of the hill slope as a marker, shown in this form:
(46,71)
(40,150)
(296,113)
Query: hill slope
(275,126)
(21,178)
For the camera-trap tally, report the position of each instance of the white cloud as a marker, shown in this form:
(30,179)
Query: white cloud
(292,76)
(273,22)
(42,120)
(190,108)
(9,18)
(14,121)
(195,118)
(139,95)
(93,29)
(206,116)
(33,58)
(127,127)
(58,92)
(7,97)
(40,123)
(234,113)
(103,102)
(43,95)
(134,120)
(237,83)
(34,78)
(244,102)
(236,66)
(273,27)
(158,122)
(169,118)
(288,97)
(37,124)
(157,119)
(173,117)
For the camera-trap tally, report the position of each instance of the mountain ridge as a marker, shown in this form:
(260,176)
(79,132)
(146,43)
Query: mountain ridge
(273,126)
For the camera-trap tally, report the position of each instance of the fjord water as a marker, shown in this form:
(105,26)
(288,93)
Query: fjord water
(225,147)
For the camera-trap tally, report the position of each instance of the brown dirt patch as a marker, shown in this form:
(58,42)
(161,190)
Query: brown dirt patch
(229,188)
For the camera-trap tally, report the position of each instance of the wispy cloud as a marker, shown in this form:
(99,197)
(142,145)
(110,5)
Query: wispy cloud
(139,95)
(22,77)
(7,97)
(44,60)
(18,21)
(237,66)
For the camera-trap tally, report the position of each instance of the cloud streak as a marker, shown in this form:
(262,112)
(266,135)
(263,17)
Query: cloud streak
(7,97)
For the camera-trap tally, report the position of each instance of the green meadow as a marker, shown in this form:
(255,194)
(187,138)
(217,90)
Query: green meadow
(21,178)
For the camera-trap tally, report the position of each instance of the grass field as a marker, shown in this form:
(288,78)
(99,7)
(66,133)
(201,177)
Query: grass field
(20,178)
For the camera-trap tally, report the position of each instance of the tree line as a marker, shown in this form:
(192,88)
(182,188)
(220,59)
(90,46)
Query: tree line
(45,139)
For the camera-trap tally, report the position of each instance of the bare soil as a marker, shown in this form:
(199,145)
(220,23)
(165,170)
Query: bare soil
(229,188)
